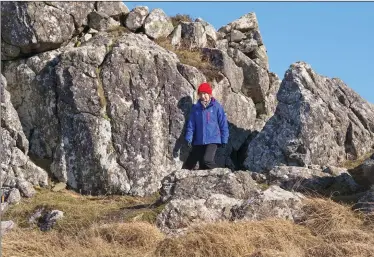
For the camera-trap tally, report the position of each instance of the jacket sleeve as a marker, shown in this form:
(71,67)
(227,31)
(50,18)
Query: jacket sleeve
(190,129)
(223,125)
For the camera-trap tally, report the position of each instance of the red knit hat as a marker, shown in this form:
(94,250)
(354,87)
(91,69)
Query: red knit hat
(204,88)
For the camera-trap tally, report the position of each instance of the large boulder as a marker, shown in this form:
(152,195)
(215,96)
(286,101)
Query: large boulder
(317,121)
(135,19)
(121,118)
(190,35)
(201,196)
(34,27)
(209,29)
(101,21)
(158,24)
(114,9)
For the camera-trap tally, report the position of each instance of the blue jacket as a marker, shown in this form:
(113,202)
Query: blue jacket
(207,125)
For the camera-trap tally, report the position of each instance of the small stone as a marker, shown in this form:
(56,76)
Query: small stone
(14,196)
(7,226)
(26,189)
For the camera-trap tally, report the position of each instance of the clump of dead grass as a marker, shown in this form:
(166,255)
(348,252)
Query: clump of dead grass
(351,164)
(239,239)
(133,235)
(127,239)
(324,216)
(79,211)
(175,20)
(192,57)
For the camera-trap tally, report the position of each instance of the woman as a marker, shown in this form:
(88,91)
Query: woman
(207,128)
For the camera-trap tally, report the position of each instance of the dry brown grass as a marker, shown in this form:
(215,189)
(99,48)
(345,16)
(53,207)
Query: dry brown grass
(126,239)
(79,211)
(192,57)
(180,18)
(330,230)
(351,164)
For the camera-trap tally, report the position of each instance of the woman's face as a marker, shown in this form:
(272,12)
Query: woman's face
(204,97)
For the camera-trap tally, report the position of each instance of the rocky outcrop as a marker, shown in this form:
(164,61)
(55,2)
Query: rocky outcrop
(244,35)
(242,42)
(317,121)
(195,197)
(107,110)
(119,119)
(34,27)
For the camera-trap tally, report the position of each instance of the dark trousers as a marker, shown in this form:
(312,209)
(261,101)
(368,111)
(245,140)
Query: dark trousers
(204,154)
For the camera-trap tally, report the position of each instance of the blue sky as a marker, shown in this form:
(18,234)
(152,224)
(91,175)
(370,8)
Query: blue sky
(335,38)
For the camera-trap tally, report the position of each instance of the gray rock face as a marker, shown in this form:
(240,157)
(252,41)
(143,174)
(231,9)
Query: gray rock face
(148,102)
(191,74)
(78,10)
(158,24)
(209,29)
(86,152)
(226,65)
(261,57)
(121,120)
(195,197)
(135,19)
(114,9)
(15,164)
(101,21)
(33,27)
(175,36)
(32,84)
(193,35)
(317,121)
(256,80)
(314,180)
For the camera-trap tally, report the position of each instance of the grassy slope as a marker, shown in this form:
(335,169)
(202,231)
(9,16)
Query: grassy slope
(106,226)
